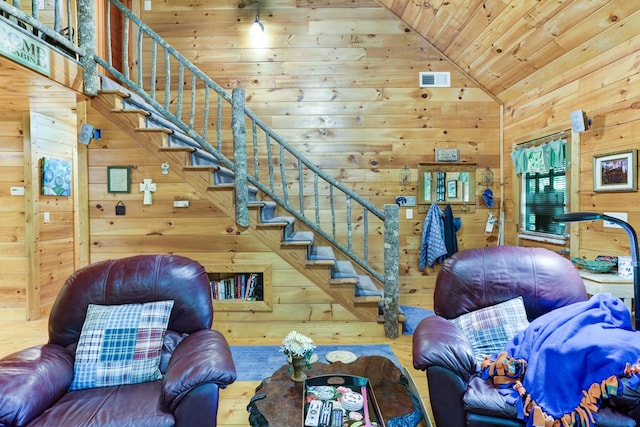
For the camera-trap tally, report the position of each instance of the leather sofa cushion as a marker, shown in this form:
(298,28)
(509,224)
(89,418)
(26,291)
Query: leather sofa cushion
(136,405)
(483,398)
(34,378)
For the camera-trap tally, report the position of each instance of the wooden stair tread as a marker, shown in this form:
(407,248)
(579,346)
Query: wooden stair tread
(327,262)
(373,299)
(343,281)
(115,92)
(158,130)
(131,111)
(401,318)
(205,168)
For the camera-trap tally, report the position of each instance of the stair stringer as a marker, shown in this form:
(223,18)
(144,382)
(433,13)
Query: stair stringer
(132,122)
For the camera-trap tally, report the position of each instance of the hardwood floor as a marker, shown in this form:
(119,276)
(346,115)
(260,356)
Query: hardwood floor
(15,336)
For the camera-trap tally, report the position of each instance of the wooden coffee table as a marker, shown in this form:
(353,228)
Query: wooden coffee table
(278,400)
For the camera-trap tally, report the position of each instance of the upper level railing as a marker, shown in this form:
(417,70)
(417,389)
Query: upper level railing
(224,126)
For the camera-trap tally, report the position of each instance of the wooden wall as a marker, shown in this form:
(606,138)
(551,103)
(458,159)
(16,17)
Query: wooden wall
(36,256)
(607,89)
(341,85)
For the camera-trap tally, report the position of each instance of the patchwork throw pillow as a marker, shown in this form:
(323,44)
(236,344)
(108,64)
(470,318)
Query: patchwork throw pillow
(120,344)
(490,328)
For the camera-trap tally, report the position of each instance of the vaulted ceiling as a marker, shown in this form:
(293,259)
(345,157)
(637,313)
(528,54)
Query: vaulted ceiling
(511,46)
(506,46)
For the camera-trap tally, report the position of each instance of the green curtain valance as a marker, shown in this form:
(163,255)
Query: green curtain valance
(541,157)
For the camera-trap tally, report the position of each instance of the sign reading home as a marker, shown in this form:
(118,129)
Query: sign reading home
(24,49)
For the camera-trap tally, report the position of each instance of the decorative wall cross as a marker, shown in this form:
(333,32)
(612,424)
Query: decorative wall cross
(148,187)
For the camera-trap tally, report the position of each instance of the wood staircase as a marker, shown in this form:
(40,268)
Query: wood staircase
(301,249)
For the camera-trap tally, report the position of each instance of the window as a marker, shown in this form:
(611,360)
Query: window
(543,187)
(543,197)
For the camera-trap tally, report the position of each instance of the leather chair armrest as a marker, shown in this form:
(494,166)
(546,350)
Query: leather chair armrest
(32,380)
(202,357)
(439,342)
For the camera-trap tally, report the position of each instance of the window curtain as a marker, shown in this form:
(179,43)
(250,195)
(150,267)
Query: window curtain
(540,157)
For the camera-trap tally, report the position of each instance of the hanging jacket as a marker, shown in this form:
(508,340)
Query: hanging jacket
(433,245)
(450,238)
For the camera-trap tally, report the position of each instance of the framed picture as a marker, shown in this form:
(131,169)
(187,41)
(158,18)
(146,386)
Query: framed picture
(615,171)
(56,177)
(452,189)
(447,155)
(119,179)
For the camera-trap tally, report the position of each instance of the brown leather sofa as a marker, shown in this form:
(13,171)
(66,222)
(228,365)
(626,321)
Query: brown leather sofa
(196,361)
(478,278)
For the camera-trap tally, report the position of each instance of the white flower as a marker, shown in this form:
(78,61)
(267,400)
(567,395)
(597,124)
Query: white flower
(296,344)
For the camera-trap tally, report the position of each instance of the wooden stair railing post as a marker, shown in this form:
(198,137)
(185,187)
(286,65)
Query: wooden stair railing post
(87,42)
(391,269)
(240,157)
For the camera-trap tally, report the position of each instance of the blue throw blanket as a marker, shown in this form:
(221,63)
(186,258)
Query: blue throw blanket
(570,349)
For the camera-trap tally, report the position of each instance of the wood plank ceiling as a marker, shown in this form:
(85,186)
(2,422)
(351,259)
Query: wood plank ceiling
(507,46)
(512,46)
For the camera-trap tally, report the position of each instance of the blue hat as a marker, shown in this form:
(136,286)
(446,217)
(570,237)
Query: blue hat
(487,196)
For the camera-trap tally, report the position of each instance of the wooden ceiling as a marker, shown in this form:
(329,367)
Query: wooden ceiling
(512,46)
(506,46)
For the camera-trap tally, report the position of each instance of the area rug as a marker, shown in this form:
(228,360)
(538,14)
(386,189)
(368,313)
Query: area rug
(414,316)
(256,362)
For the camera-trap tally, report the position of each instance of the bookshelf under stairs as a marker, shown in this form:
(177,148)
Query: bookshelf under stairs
(301,248)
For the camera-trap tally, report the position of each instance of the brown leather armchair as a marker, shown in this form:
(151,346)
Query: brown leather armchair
(195,362)
(478,278)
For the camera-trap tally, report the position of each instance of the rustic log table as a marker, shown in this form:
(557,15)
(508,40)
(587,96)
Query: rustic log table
(278,400)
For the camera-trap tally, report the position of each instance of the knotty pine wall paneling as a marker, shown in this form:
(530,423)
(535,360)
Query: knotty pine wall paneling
(607,88)
(341,85)
(13,263)
(36,257)
(202,232)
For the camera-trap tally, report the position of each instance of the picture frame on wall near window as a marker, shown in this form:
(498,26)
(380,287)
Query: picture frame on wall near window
(615,171)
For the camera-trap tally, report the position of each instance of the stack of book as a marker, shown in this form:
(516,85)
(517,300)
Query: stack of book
(242,286)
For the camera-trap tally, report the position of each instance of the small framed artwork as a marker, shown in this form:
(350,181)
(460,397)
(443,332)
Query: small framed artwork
(615,171)
(447,155)
(452,189)
(56,177)
(119,179)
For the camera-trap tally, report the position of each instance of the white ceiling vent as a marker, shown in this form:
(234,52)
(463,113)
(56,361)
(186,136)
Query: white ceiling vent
(435,79)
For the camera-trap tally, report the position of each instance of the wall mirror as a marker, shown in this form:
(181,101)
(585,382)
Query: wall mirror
(447,183)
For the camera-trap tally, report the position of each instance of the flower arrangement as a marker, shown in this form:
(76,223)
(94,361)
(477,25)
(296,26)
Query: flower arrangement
(298,345)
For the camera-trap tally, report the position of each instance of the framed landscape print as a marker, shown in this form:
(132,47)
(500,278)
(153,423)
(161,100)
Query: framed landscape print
(615,171)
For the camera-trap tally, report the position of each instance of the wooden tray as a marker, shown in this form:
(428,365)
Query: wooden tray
(332,387)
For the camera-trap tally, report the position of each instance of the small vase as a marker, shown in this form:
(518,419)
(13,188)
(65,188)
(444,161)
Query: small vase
(297,365)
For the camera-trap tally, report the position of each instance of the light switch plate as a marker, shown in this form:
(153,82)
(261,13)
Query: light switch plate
(619,215)
(17,191)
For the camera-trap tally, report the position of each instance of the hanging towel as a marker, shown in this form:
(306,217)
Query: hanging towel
(450,238)
(433,245)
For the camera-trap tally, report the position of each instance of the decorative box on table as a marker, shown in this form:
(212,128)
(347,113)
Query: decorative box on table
(339,400)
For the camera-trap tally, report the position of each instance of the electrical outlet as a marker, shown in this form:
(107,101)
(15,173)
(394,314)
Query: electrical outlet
(46,217)
(409,213)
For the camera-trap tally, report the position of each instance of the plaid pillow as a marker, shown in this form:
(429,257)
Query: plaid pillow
(120,344)
(490,328)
